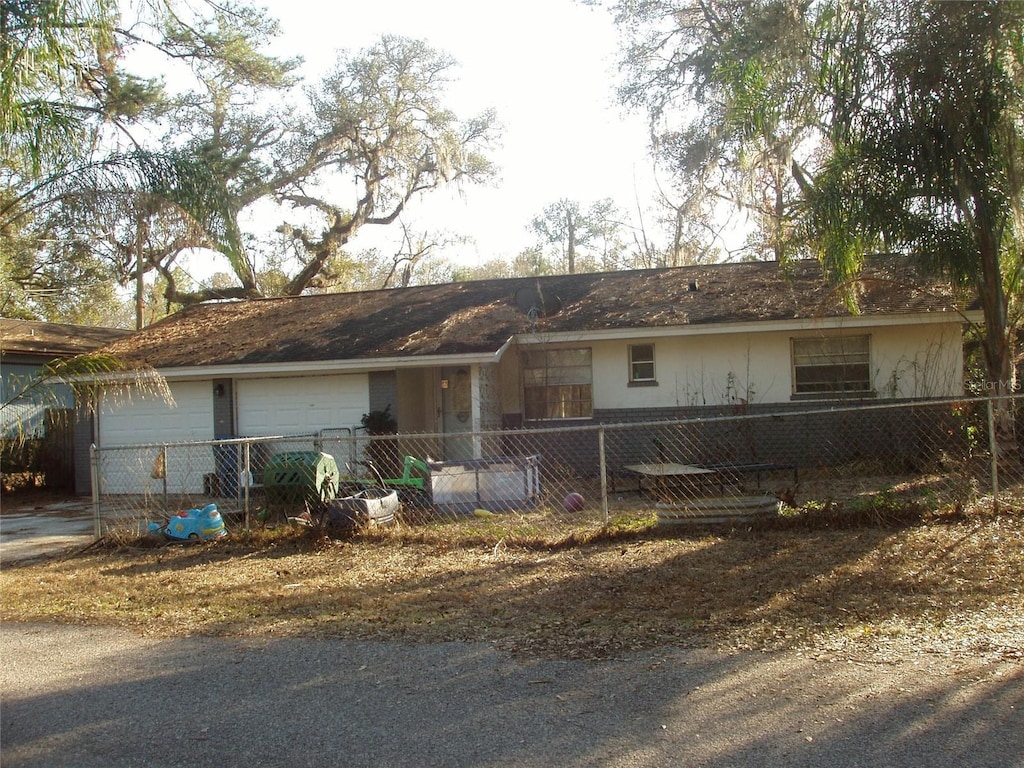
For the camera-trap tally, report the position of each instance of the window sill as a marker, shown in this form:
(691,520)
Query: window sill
(555,419)
(866,395)
(643,383)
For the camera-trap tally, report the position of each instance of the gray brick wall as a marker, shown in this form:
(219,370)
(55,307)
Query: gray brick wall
(222,393)
(805,434)
(384,391)
(801,434)
(83,439)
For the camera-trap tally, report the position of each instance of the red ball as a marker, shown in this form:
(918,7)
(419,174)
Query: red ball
(573,502)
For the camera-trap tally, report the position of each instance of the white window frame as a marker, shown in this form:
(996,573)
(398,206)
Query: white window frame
(831,366)
(636,366)
(558,384)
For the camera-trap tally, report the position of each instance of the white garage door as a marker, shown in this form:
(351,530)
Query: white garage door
(152,420)
(301,405)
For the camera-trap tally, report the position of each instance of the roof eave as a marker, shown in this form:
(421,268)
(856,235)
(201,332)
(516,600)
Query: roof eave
(754,326)
(325,367)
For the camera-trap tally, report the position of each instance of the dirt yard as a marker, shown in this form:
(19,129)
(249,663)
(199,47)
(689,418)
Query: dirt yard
(880,586)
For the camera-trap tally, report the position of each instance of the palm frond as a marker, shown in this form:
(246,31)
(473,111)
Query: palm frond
(92,379)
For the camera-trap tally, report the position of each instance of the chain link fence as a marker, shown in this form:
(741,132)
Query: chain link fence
(708,468)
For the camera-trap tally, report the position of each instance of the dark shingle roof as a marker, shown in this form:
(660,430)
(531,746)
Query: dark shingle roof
(52,340)
(479,316)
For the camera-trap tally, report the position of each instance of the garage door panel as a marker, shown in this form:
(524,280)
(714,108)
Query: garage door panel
(300,406)
(152,422)
(294,406)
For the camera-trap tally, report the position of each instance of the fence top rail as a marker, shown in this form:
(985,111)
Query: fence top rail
(950,401)
(318,436)
(200,443)
(803,412)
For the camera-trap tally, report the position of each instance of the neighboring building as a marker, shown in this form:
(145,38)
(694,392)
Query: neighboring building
(26,346)
(497,354)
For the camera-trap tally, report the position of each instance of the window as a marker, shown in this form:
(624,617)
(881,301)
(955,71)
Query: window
(558,384)
(826,366)
(641,364)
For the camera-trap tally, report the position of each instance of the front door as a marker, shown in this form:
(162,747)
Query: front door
(457,412)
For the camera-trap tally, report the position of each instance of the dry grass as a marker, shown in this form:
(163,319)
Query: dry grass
(884,578)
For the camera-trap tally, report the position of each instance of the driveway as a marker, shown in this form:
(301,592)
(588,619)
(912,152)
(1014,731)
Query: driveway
(33,526)
(95,697)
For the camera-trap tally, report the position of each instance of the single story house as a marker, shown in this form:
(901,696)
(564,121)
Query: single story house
(462,358)
(28,409)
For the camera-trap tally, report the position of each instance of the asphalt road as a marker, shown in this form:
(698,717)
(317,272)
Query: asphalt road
(85,697)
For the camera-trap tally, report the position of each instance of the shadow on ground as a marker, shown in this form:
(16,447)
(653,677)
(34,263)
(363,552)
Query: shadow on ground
(101,697)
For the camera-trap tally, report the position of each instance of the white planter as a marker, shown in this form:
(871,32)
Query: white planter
(718,509)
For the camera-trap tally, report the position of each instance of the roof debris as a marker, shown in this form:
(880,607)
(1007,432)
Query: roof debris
(479,317)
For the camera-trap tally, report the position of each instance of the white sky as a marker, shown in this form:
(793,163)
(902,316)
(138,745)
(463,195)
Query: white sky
(546,66)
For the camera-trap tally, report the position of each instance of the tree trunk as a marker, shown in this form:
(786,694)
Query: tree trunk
(996,344)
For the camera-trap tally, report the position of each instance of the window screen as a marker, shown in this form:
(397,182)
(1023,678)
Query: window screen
(558,384)
(641,362)
(824,365)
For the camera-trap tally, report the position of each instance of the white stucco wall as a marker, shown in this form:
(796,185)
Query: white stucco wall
(918,362)
(511,382)
(416,409)
(695,371)
(906,360)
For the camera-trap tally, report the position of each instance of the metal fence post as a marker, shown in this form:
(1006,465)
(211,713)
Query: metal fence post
(247,476)
(604,474)
(94,469)
(163,477)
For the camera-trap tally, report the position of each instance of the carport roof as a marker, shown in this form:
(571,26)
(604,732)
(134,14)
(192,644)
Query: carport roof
(479,317)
